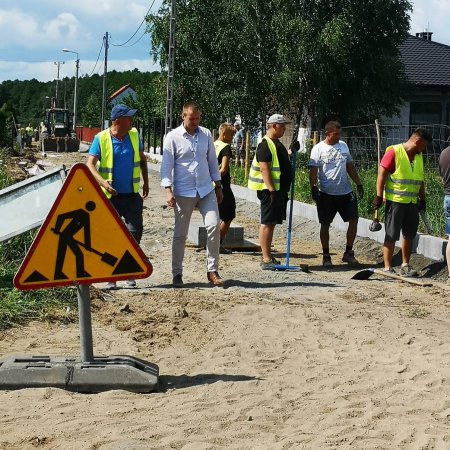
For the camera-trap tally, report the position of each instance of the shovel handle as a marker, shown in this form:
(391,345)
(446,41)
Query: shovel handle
(405,279)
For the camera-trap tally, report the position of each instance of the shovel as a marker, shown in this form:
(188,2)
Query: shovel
(286,267)
(367,273)
(106,257)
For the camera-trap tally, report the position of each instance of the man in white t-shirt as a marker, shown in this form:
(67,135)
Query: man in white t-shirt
(330,167)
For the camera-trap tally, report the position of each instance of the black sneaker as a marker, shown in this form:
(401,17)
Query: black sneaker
(177,281)
(224,251)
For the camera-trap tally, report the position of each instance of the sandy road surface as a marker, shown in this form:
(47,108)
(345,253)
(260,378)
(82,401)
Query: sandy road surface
(271,361)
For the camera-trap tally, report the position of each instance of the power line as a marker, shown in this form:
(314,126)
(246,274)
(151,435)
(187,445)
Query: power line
(135,42)
(98,57)
(134,34)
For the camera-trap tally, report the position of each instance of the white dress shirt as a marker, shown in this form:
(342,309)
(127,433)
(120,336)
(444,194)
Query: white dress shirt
(189,163)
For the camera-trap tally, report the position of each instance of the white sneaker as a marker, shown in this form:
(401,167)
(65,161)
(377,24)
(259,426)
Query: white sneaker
(130,283)
(111,285)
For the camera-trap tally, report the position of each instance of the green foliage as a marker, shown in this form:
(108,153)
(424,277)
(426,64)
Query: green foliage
(5,181)
(317,58)
(17,307)
(91,114)
(31,97)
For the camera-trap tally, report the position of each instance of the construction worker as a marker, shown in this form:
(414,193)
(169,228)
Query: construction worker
(401,180)
(120,154)
(29,133)
(330,170)
(270,175)
(23,136)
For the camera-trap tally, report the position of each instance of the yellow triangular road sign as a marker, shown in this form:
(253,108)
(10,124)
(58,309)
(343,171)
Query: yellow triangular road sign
(82,240)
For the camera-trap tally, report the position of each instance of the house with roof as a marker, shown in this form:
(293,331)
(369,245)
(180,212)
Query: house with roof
(427,67)
(122,93)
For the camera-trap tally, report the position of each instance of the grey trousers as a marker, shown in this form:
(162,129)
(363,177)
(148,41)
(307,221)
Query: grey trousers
(210,212)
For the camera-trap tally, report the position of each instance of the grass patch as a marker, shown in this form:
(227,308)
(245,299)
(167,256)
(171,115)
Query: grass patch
(20,307)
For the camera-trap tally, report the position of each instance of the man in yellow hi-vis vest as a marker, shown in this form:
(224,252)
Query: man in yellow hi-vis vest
(120,155)
(270,175)
(401,181)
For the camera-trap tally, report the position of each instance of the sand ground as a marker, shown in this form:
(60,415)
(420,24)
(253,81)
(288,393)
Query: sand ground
(274,360)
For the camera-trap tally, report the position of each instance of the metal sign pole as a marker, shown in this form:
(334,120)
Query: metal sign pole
(84,310)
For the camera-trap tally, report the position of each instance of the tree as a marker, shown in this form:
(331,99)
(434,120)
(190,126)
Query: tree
(91,114)
(337,59)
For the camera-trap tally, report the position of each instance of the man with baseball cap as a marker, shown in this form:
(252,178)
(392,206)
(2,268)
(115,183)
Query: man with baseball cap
(270,175)
(119,153)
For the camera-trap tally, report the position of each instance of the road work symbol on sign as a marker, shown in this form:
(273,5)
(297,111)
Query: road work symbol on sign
(82,240)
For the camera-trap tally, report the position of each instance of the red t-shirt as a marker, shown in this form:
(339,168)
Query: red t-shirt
(388,160)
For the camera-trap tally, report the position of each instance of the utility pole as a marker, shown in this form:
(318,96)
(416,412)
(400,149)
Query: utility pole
(58,63)
(75,93)
(105,71)
(170,69)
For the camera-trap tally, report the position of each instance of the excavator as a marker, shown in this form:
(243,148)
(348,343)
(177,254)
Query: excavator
(56,133)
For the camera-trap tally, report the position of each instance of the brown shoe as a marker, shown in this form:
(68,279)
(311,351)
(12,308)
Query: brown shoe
(215,278)
(177,281)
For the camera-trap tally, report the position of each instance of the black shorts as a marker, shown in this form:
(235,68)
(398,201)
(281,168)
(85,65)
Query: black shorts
(400,216)
(272,212)
(328,205)
(227,209)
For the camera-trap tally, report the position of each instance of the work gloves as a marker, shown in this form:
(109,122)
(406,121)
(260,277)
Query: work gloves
(360,191)
(377,202)
(315,193)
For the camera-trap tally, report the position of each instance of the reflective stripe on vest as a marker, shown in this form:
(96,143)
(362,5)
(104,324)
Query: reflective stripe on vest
(404,184)
(106,163)
(255,178)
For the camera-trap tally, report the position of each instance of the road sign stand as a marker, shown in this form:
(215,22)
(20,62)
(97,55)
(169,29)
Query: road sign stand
(84,311)
(88,374)
(80,196)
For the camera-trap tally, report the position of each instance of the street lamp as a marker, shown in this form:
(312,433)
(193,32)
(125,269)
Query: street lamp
(75,90)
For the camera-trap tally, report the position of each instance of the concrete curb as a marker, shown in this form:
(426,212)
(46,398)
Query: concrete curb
(429,246)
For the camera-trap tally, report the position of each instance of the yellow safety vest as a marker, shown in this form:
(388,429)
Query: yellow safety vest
(219,146)
(255,178)
(404,184)
(106,163)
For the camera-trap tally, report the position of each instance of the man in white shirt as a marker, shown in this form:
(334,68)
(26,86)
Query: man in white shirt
(330,167)
(188,170)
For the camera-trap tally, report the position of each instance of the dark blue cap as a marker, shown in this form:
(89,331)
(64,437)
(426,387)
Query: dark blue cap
(121,110)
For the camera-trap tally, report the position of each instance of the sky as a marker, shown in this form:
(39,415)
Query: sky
(34,32)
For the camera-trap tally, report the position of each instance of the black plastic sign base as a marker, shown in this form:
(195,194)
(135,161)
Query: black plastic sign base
(102,374)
